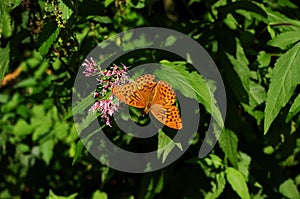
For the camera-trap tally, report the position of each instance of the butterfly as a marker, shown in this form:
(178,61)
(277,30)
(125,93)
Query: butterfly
(155,97)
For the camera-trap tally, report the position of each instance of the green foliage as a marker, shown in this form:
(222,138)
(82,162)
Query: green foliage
(255,45)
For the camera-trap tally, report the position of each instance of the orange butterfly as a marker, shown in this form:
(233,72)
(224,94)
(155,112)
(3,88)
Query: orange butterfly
(157,97)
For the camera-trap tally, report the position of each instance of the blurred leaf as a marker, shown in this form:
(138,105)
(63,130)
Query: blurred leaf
(4,62)
(229,144)
(108,2)
(79,147)
(168,143)
(100,19)
(284,40)
(237,182)
(295,108)
(151,184)
(46,148)
(99,195)
(283,83)
(289,189)
(29,82)
(3,98)
(53,196)
(22,128)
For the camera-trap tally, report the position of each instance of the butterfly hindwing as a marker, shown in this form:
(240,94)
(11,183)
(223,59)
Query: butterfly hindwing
(168,115)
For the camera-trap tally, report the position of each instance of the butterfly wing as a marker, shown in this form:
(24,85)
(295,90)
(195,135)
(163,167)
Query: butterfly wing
(168,115)
(165,95)
(162,106)
(135,93)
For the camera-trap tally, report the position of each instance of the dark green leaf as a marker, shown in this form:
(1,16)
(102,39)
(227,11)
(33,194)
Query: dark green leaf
(229,143)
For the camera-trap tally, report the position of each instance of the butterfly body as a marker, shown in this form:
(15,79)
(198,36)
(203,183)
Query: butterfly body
(155,97)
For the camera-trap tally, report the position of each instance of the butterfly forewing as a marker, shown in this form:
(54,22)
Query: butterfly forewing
(135,93)
(165,94)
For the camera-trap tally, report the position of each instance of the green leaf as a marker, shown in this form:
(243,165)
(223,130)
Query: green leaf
(289,189)
(79,147)
(284,40)
(284,79)
(263,59)
(22,128)
(108,2)
(53,196)
(82,105)
(237,182)
(65,10)
(256,93)
(168,143)
(244,164)
(100,19)
(29,82)
(99,195)
(243,5)
(47,37)
(275,17)
(295,108)
(151,184)
(229,144)
(5,23)
(217,187)
(46,148)
(190,84)
(4,61)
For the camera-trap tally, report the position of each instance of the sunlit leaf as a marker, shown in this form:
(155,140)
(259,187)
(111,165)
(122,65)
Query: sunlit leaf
(99,195)
(52,195)
(285,78)
(285,39)
(237,182)
(289,189)
(4,61)
(295,108)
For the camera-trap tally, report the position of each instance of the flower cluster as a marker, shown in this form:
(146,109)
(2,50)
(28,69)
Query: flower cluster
(105,103)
